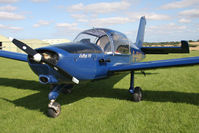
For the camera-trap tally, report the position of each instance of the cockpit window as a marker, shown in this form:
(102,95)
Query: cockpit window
(104,44)
(121,43)
(97,37)
(110,42)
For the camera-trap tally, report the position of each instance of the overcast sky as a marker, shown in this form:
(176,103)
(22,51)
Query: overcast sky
(167,20)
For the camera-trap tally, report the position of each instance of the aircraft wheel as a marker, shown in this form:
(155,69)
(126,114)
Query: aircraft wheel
(137,95)
(55,110)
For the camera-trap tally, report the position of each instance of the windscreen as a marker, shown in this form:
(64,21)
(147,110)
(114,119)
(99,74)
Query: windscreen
(96,37)
(110,42)
(85,38)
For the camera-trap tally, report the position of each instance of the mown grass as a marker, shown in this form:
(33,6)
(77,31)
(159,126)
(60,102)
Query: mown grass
(170,104)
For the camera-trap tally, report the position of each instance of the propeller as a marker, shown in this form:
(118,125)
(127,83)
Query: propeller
(39,58)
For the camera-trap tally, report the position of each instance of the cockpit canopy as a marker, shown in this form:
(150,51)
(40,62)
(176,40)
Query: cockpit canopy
(111,42)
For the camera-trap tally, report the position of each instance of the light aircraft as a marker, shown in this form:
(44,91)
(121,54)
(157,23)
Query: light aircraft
(94,54)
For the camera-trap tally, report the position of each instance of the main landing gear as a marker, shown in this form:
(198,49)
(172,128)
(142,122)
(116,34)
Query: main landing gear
(135,92)
(54,108)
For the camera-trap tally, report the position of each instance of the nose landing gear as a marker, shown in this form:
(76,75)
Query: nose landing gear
(54,108)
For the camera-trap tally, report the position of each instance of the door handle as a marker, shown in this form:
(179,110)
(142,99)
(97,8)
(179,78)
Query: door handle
(104,60)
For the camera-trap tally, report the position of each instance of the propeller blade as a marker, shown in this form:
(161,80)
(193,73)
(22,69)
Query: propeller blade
(57,68)
(61,71)
(23,47)
(38,58)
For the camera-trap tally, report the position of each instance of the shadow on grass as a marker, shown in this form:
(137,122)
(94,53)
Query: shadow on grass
(102,88)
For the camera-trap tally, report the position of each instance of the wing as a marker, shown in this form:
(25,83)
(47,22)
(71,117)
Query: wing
(13,55)
(156,64)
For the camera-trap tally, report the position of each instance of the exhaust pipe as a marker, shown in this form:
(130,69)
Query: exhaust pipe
(47,79)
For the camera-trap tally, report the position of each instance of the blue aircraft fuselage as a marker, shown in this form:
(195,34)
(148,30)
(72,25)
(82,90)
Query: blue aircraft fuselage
(88,65)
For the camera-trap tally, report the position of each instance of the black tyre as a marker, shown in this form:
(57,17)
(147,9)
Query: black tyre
(137,95)
(52,112)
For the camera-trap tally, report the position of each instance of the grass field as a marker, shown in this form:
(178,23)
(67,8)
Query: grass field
(170,104)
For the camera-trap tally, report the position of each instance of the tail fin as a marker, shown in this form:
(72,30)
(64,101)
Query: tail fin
(140,34)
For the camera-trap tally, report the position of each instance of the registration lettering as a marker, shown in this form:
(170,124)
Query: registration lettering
(85,56)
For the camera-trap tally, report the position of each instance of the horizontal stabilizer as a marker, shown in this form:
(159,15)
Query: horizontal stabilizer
(166,50)
(13,55)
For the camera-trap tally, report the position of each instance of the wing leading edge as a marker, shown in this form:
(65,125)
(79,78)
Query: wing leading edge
(13,55)
(156,64)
